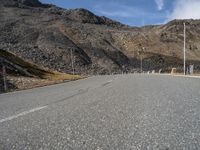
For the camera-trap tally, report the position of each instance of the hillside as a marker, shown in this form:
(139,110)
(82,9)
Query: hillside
(23,75)
(47,36)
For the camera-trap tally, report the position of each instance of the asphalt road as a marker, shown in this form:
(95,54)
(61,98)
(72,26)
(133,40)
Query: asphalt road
(146,112)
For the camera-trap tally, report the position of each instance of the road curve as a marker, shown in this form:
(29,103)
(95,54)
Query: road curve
(145,112)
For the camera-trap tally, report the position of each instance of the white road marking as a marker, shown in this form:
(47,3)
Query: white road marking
(22,114)
(112,80)
(176,75)
(109,81)
(115,78)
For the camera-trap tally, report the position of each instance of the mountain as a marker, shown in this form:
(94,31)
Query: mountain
(52,37)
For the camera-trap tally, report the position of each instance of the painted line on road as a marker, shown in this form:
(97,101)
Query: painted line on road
(112,80)
(176,75)
(108,82)
(22,114)
(187,76)
(115,78)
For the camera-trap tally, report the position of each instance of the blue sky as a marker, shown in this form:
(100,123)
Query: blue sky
(136,12)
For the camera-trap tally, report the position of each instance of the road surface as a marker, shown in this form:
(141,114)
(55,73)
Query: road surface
(123,112)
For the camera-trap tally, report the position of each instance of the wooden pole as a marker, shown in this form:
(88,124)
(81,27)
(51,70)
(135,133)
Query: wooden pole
(72,61)
(4,79)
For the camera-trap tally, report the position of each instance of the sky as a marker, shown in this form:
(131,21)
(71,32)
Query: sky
(136,12)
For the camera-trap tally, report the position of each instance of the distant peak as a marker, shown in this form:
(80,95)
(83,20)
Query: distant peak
(83,10)
(33,3)
(13,3)
(86,16)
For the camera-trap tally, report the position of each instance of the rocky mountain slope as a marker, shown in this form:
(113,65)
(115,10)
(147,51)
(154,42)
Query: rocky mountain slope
(20,74)
(53,38)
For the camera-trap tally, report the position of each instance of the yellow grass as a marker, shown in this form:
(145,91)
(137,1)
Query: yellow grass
(35,70)
(61,76)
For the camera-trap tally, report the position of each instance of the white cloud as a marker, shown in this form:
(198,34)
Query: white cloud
(128,14)
(160,4)
(185,9)
(115,9)
(116,13)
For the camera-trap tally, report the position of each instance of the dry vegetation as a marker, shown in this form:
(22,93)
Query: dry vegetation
(24,75)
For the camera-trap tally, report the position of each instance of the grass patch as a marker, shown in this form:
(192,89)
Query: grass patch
(61,76)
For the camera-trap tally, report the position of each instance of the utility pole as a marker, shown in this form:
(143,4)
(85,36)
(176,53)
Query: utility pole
(72,60)
(140,53)
(184,51)
(141,64)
